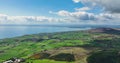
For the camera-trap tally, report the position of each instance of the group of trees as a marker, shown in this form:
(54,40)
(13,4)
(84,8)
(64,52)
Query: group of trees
(110,56)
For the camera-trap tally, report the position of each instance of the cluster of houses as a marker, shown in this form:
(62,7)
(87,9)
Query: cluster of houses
(15,60)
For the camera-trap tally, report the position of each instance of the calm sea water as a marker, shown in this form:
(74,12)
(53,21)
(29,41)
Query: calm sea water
(13,31)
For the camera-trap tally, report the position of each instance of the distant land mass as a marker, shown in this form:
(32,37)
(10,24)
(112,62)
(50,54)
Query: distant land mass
(68,25)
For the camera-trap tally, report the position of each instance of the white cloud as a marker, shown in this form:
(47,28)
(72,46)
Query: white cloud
(82,9)
(77,17)
(84,17)
(63,13)
(111,14)
(76,1)
(108,5)
(5,19)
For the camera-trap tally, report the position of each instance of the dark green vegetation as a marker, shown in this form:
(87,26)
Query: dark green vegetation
(72,47)
(109,56)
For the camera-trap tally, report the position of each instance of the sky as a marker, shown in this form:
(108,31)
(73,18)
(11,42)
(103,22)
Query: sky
(29,12)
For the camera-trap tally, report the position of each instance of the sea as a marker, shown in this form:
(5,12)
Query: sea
(15,31)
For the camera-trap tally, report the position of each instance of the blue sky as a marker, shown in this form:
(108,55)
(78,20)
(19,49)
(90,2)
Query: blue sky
(59,12)
(35,7)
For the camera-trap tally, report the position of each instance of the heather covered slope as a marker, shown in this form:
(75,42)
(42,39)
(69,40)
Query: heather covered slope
(77,45)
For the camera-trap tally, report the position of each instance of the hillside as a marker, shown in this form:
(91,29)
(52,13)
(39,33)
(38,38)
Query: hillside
(60,47)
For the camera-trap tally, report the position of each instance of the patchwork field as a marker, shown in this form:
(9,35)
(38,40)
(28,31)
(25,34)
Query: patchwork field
(62,47)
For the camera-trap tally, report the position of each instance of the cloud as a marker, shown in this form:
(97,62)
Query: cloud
(84,17)
(63,13)
(110,14)
(77,17)
(5,19)
(28,20)
(82,9)
(76,1)
(109,5)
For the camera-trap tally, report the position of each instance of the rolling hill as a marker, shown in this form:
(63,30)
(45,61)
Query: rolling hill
(60,47)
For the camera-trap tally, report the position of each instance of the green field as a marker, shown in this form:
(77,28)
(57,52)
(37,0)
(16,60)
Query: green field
(28,45)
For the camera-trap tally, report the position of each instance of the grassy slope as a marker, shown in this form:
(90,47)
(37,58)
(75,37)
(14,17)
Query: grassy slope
(28,45)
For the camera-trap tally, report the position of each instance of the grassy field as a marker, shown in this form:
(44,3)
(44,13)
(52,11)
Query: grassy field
(28,45)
